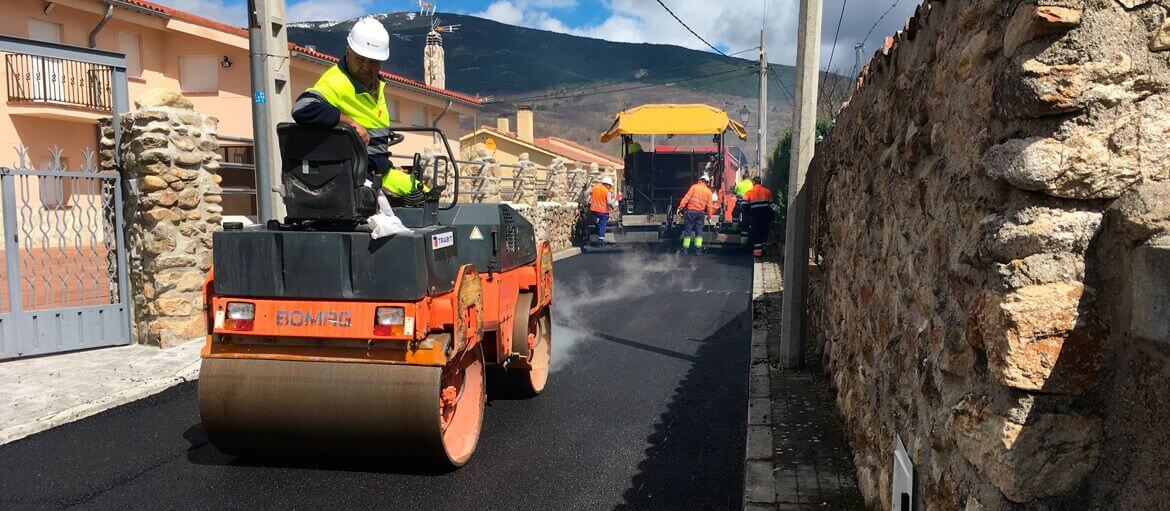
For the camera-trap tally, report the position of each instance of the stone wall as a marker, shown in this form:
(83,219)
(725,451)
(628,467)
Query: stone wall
(989,211)
(553,220)
(169,149)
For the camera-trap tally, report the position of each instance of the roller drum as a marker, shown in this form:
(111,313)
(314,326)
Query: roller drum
(380,412)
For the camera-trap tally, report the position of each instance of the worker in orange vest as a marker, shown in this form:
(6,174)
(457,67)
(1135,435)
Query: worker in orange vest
(693,208)
(760,215)
(600,202)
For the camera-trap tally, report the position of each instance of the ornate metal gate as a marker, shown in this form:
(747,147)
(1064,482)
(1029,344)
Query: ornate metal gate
(65,258)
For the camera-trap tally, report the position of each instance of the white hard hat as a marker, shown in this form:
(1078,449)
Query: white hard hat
(705,177)
(369,39)
(606,180)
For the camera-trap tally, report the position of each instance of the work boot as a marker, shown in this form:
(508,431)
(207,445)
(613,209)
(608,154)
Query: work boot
(681,252)
(700,251)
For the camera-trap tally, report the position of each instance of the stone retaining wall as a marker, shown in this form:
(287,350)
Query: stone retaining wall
(990,210)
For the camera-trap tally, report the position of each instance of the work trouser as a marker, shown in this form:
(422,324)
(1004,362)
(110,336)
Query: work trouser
(693,228)
(760,225)
(602,220)
(742,213)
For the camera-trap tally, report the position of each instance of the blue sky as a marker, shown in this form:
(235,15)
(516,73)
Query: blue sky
(730,25)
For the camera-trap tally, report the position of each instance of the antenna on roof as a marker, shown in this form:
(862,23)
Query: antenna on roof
(426,8)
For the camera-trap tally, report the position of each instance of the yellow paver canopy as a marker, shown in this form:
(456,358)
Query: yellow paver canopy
(667,119)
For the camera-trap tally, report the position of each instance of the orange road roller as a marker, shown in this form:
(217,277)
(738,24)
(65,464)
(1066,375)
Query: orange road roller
(324,342)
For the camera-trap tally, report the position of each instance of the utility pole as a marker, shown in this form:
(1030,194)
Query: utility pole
(763,134)
(808,55)
(268,57)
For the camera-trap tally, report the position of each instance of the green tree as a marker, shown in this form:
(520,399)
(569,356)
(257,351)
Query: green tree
(776,177)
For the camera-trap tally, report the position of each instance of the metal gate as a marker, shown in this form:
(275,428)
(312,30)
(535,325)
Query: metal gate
(65,258)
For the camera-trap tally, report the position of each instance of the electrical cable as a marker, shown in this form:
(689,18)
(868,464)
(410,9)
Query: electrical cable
(879,20)
(832,52)
(676,18)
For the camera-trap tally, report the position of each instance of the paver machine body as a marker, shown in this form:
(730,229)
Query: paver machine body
(655,180)
(324,342)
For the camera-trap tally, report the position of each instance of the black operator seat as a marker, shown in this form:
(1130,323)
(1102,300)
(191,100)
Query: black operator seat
(324,172)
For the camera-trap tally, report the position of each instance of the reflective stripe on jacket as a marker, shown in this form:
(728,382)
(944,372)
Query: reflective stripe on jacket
(599,199)
(698,198)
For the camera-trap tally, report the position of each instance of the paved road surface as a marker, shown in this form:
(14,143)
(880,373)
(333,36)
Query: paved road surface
(645,410)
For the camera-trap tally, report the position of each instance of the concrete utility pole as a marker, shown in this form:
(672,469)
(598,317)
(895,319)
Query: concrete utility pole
(763,134)
(268,57)
(804,132)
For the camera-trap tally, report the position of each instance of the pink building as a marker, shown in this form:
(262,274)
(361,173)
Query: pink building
(165,48)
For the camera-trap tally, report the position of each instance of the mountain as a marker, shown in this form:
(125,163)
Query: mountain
(576,83)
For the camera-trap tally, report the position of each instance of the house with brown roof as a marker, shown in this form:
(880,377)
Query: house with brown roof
(510,145)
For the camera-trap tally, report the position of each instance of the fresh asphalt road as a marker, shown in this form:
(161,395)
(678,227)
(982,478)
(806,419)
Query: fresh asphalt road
(645,409)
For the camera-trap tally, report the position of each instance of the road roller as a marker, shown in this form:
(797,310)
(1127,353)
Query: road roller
(324,342)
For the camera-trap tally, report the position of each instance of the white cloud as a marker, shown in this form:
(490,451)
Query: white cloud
(729,25)
(503,11)
(318,10)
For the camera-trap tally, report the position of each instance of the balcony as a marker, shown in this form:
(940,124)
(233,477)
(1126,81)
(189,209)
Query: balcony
(36,80)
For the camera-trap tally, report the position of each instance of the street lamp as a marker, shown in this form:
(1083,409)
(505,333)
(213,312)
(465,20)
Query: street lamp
(744,115)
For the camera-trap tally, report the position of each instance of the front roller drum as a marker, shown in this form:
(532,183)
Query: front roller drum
(372,412)
(527,374)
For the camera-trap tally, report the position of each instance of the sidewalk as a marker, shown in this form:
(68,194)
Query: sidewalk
(797,455)
(40,393)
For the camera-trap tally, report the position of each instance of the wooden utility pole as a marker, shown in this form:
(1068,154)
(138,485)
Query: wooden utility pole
(804,132)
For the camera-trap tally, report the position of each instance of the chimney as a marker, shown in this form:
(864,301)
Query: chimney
(502,123)
(434,67)
(524,123)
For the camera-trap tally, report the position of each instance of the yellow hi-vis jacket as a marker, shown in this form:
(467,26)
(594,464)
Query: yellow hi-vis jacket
(337,89)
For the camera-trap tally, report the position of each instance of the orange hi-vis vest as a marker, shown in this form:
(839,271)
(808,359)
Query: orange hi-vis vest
(698,198)
(758,197)
(599,199)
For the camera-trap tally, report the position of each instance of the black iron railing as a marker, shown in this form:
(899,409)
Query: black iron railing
(33,79)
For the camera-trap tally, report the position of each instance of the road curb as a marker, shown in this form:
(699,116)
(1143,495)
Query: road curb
(759,482)
(566,253)
(135,393)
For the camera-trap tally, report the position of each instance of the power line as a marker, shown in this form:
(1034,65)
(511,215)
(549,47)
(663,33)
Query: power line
(879,20)
(832,52)
(791,99)
(680,21)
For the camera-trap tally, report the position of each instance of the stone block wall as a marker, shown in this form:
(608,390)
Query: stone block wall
(989,210)
(170,150)
(552,221)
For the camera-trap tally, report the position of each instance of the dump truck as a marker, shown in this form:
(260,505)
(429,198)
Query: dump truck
(324,342)
(656,178)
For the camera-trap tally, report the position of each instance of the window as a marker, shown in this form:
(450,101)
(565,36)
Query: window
(418,115)
(131,45)
(44,31)
(199,74)
(392,105)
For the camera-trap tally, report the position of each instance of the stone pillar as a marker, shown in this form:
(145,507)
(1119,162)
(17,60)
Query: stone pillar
(525,186)
(169,149)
